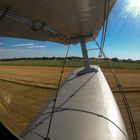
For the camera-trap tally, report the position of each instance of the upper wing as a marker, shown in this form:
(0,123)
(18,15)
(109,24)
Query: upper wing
(54,20)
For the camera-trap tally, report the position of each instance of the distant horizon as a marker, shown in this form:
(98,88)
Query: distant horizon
(55,57)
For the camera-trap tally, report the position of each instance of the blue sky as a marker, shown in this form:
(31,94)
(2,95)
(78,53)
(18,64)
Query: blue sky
(122,41)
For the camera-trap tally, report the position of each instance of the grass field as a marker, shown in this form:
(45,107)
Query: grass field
(70,63)
(24,90)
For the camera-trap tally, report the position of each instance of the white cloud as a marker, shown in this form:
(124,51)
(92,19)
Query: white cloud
(29,45)
(1,43)
(34,47)
(23,45)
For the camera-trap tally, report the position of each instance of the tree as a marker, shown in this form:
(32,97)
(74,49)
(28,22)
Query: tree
(115,59)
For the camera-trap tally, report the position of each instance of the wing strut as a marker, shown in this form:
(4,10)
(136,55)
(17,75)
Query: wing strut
(87,68)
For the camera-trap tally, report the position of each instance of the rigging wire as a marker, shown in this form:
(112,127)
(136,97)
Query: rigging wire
(130,116)
(61,109)
(105,24)
(56,95)
(104,29)
(107,7)
(101,47)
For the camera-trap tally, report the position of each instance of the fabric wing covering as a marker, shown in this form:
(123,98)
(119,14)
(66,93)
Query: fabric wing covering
(51,20)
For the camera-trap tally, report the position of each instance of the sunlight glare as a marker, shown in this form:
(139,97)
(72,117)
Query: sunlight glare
(133,8)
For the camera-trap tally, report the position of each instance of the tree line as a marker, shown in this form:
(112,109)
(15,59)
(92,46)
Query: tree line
(115,59)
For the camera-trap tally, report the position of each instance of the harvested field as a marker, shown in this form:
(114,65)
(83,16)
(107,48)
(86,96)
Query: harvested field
(24,90)
(37,76)
(19,104)
(130,81)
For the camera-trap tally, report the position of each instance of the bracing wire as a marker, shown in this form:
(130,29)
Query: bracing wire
(105,22)
(56,95)
(100,47)
(129,112)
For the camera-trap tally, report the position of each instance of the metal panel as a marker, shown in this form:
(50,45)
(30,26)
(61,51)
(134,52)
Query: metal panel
(68,17)
(85,110)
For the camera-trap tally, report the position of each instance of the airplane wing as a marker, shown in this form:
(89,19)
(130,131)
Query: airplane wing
(52,20)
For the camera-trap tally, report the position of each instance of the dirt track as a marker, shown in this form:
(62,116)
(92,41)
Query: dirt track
(21,92)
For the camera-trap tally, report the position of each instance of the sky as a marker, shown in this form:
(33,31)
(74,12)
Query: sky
(122,40)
